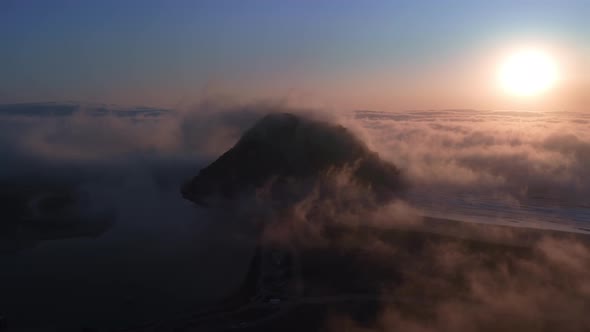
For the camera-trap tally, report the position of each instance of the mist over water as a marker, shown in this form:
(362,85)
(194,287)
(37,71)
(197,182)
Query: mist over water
(152,254)
(130,249)
(519,168)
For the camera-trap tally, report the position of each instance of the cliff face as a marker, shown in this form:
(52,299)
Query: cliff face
(287,148)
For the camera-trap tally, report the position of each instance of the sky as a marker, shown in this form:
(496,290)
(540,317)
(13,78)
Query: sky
(384,55)
(496,165)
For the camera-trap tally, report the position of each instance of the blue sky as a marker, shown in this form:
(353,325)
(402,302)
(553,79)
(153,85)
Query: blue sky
(168,52)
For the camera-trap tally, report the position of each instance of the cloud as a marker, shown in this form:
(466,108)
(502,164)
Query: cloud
(123,170)
(476,290)
(470,160)
(127,163)
(481,164)
(513,160)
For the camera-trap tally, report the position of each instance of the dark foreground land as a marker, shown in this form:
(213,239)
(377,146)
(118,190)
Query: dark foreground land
(358,278)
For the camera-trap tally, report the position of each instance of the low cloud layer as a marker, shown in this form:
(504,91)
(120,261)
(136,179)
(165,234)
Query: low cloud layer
(451,287)
(524,167)
(489,165)
(93,198)
(490,160)
(521,152)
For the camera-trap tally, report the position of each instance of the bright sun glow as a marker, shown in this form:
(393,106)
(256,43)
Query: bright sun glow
(528,73)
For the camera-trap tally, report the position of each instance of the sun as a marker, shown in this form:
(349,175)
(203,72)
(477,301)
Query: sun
(528,73)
